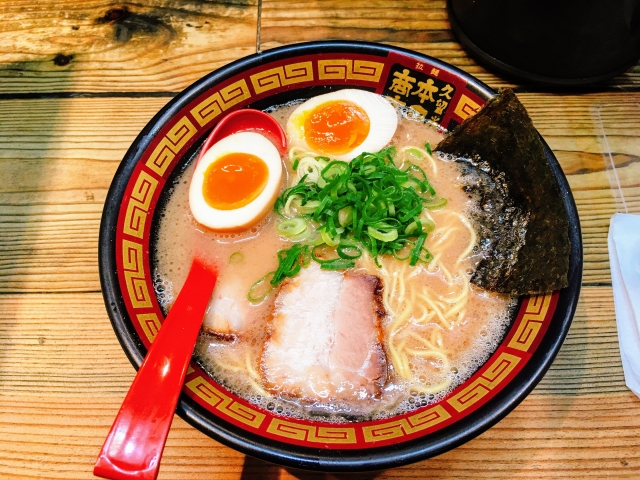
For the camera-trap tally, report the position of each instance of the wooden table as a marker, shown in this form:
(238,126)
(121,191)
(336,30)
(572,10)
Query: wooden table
(78,80)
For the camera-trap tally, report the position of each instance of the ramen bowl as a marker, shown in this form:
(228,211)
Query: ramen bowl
(130,221)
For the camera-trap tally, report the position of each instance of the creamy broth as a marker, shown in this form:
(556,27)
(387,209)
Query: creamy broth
(464,339)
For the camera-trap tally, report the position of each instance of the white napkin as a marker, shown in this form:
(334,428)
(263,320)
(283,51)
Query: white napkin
(624,256)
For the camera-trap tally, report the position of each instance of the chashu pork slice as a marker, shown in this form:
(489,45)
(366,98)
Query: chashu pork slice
(228,313)
(325,338)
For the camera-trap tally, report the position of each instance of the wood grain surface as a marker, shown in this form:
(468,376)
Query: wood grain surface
(110,46)
(79,80)
(418,25)
(64,376)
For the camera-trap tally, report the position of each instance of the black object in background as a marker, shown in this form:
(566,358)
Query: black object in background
(552,42)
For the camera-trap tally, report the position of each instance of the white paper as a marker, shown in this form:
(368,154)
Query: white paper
(624,257)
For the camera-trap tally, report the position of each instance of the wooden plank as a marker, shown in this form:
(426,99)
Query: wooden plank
(102,46)
(53,342)
(58,157)
(573,126)
(417,25)
(99,46)
(64,375)
(58,175)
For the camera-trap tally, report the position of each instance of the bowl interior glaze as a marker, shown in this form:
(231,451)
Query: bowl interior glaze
(274,77)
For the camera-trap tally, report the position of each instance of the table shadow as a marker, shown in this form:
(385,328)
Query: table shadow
(254,469)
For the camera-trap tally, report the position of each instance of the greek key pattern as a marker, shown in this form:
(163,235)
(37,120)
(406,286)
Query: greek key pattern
(225,404)
(310,433)
(138,207)
(406,426)
(170,145)
(466,107)
(344,69)
(150,324)
(534,315)
(481,386)
(134,274)
(450,98)
(220,101)
(282,76)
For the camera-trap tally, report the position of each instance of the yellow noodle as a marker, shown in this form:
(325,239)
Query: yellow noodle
(426,342)
(254,378)
(227,366)
(446,273)
(445,236)
(250,368)
(395,360)
(423,317)
(412,305)
(457,308)
(406,369)
(402,291)
(436,337)
(427,353)
(472,240)
(435,308)
(463,293)
(434,263)
(434,389)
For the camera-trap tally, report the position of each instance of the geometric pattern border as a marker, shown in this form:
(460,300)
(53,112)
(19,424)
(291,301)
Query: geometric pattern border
(190,126)
(474,392)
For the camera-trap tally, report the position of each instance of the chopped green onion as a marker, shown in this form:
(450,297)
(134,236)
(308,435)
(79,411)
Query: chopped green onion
(334,169)
(236,258)
(260,289)
(331,241)
(345,216)
(435,202)
(312,168)
(309,207)
(289,202)
(295,164)
(291,228)
(389,236)
(428,226)
(337,264)
(321,251)
(416,250)
(288,263)
(348,252)
(413,226)
(428,147)
(367,204)
(397,255)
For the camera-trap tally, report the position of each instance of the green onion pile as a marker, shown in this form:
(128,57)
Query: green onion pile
(368,204)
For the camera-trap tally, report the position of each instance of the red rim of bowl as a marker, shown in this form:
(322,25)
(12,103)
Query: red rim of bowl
(173,136)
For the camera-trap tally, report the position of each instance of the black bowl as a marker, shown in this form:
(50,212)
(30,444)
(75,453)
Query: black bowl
(172,137)
(559,44)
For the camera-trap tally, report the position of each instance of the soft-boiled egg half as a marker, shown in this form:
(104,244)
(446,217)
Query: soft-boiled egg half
(343,124)
(236,182)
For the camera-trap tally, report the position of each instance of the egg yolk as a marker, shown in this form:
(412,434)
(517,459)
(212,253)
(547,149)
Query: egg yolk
(234,181)
(336,127)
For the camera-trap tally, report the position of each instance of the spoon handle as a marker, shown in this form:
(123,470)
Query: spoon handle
(135,443)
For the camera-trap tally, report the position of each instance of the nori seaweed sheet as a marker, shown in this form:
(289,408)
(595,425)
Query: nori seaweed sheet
(521,222)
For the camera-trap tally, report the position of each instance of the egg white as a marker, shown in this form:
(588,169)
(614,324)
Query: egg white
(250,214)
(382,115)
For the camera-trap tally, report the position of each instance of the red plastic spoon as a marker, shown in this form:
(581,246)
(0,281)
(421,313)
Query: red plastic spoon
(135,443)
(243,121)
